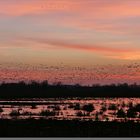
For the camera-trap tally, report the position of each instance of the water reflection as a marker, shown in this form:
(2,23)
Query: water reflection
(96,109)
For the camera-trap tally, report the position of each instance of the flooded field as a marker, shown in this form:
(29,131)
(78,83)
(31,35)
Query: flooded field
(96,109)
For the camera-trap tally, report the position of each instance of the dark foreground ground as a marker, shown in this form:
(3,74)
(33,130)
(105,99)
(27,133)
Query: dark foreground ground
(54,128)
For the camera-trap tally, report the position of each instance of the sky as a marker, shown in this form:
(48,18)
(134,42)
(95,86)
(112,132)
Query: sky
(71,41)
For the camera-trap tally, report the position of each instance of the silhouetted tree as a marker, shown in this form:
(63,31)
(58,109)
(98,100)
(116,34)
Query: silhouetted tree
(1,110)
(123,104)
(121,114)
(57,83)
(137,108)
(33,106)
(77,85)
(88,107)
(131,113)
(104,108)
(77,106)
(80,114)
(14,113)
(47,113)
(44,83)
(107,119)
(130,105)
(56,107)
(97,116)
(112,107)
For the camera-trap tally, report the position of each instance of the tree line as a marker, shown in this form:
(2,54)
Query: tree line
(45,90)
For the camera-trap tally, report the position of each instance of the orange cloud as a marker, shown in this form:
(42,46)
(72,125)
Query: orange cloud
(128,53)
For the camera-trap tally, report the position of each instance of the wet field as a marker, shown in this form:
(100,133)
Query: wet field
(94,109)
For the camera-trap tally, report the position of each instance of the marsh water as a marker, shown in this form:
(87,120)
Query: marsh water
(96,109)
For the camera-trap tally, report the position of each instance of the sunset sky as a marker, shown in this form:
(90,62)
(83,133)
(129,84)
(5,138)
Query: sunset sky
(72,41)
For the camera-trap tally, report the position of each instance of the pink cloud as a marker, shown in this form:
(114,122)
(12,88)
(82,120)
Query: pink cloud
(128,53)
(96,8)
